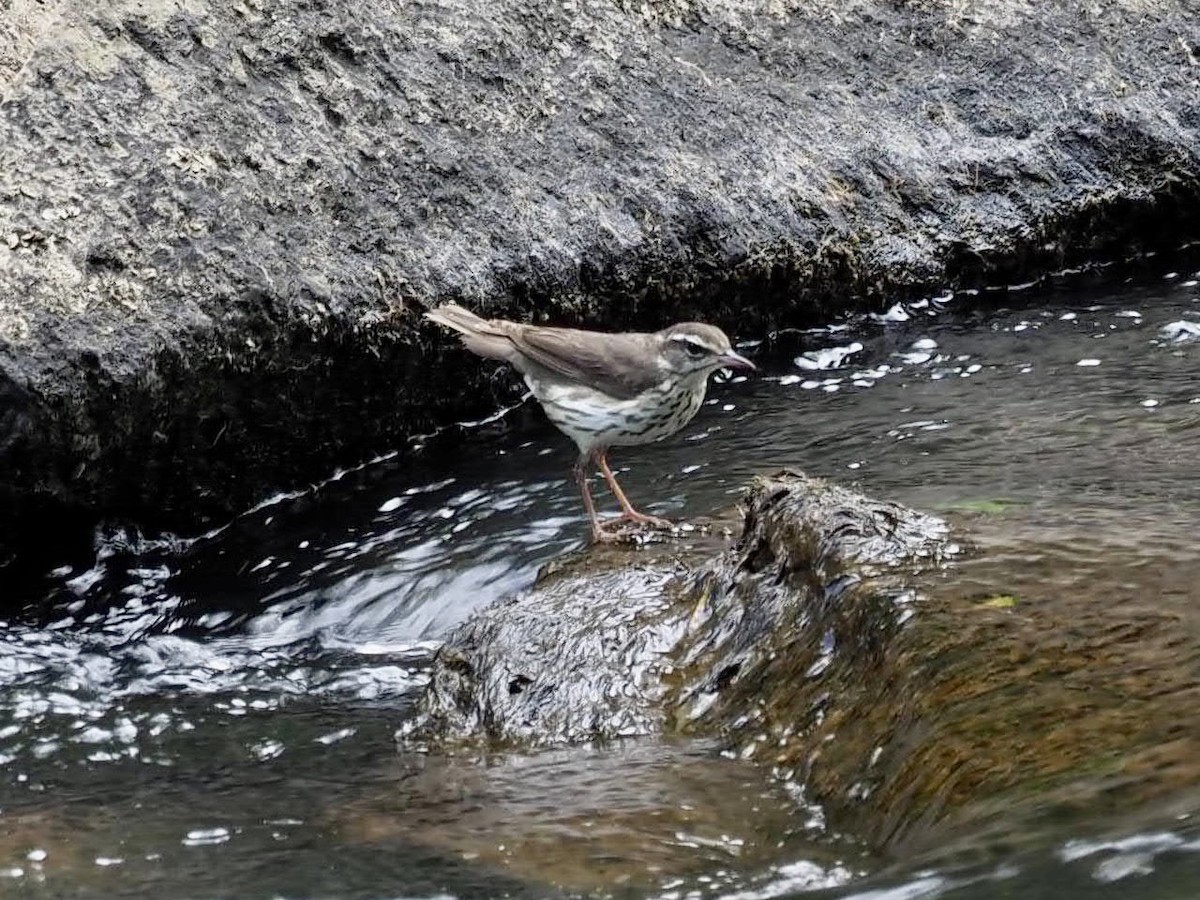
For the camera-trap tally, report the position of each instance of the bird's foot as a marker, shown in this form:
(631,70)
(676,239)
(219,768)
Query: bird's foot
(627,526)
(638,518)
(602,536)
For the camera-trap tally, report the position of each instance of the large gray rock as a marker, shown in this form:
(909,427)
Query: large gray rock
(218,222)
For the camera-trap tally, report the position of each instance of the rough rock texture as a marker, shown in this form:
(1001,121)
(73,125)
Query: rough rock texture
(613,643)
(219,221)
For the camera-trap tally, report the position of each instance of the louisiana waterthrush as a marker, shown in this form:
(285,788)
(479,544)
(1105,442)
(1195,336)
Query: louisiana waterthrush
(605,390)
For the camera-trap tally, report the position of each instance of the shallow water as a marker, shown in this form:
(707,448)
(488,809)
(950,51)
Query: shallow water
(215,717)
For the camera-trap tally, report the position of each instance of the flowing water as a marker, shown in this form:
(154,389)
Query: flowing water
(215,717)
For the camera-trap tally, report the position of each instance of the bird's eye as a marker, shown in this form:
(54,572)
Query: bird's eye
(695,350)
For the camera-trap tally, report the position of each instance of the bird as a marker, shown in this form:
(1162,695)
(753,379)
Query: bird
(604,389)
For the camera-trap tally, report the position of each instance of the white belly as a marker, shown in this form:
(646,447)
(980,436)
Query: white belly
(592,419)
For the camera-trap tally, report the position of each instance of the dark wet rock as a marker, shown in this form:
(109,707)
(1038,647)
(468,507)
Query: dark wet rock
(218,223)
(583,656)
(630,642)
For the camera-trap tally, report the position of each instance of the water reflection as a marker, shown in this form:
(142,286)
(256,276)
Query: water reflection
(638,814)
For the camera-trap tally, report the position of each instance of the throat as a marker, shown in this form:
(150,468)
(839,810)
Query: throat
(694,385)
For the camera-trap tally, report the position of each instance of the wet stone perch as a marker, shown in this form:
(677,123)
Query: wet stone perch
(616,643)
(841,641)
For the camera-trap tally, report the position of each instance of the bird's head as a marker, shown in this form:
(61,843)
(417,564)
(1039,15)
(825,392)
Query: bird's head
(691,348)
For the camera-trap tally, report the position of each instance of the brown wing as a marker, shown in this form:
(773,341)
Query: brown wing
(620,365)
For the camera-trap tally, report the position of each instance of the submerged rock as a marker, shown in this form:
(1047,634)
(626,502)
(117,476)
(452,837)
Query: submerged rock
(219,223)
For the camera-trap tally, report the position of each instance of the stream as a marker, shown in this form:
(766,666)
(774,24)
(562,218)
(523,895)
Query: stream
(214,716)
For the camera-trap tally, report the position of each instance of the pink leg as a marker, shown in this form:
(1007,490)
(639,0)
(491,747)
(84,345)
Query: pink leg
(599,535)
(628,513)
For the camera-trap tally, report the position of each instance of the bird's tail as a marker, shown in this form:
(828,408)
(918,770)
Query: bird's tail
(478,334)
(454,316)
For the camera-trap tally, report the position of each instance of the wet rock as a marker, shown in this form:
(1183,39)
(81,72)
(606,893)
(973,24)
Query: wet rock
(845,643)
(635,642)
(218,224)
(583,656)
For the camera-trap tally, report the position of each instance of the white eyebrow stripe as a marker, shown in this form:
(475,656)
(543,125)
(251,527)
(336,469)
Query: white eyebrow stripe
(694,341)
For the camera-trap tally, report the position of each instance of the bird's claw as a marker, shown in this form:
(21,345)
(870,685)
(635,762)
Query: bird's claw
(642,519)
(611,531)
(600,536)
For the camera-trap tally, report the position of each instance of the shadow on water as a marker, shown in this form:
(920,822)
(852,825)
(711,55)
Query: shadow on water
(202,716)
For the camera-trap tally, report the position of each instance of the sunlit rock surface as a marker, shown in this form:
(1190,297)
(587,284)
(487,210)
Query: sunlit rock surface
(218,223)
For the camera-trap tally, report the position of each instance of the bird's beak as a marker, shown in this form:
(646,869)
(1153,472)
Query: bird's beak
(733,360)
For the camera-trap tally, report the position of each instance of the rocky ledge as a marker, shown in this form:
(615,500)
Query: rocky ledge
(219,223)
